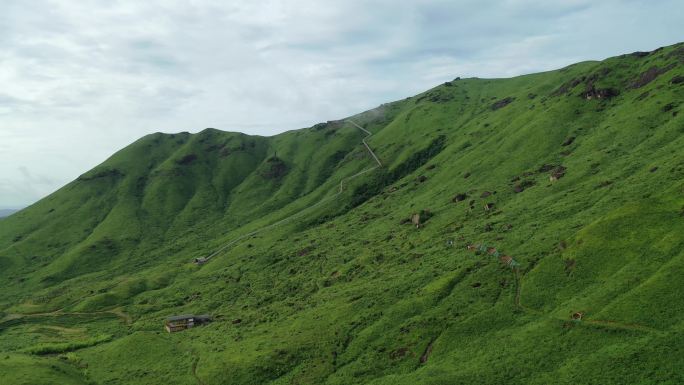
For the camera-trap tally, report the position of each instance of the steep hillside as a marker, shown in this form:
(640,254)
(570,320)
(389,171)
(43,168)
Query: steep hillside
(568,185)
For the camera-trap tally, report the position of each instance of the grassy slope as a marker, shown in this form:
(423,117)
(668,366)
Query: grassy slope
(347,294)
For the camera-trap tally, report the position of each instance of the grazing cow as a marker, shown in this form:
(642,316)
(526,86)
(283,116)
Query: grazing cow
(415,219)
(577,316)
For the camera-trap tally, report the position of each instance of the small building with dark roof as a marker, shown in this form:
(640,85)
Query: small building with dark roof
(185,321)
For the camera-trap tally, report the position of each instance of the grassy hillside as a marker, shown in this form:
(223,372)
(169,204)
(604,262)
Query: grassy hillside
(575,174)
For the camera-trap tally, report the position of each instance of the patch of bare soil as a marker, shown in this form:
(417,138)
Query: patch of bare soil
(275,169)
(502,103)
(187,159)
(649,75)
(426,354)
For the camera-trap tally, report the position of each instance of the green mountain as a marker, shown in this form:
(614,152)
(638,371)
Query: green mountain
(7,212)
(568,185)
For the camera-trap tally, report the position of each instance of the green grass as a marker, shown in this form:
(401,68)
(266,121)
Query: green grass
(347,293)
(23,369)
(64,347)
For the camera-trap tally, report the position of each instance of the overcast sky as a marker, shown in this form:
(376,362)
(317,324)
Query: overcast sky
(82,79)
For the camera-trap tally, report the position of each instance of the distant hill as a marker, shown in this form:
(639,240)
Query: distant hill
(7,212)
(521,231)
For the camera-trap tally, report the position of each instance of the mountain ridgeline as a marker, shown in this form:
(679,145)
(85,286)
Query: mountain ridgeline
(521,231)
(7,212)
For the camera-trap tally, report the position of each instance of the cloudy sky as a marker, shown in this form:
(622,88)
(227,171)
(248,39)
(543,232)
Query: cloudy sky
(81,79)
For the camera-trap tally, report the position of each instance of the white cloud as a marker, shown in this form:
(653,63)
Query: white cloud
(82,79)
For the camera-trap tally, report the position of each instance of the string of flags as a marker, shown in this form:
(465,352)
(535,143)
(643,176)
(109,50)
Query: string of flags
(505,259)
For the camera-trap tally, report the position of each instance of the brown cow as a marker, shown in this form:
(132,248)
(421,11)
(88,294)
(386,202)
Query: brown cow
(415,219)
(577,316)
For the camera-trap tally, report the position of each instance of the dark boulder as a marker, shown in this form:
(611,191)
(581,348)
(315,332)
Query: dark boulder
(520,187)
(557,173)
(546,168)
(275,169)
(649,75)
(568,86)
(568,141)
(668,107)
(502,103)
(591,92)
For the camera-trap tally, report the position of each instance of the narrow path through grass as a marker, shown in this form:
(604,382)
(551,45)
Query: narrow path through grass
(297,214)
(605,323)
(60,312)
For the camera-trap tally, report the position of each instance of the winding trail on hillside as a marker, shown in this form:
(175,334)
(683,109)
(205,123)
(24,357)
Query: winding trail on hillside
(517,302)
(368,135)
(518,284)
(306,209)
(195,362)
(596,322)
(118,312)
